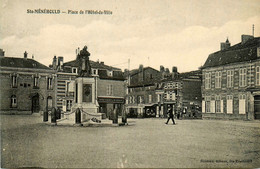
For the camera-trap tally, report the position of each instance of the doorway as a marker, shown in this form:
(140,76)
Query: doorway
(35,104)
(257,107)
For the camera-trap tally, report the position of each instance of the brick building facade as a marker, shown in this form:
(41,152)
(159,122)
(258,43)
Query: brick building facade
(27,86)
(141,97)
(179,91)
(231,81)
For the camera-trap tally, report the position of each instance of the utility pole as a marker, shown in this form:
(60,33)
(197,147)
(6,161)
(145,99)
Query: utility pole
(128,72)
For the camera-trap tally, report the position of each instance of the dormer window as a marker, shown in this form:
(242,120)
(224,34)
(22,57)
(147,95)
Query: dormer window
(94,71)
(110,73)
(258,52)
(74,70)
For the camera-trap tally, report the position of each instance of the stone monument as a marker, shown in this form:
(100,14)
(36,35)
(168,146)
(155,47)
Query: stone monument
(85,88)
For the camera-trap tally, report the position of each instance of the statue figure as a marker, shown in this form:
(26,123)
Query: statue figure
(84,69)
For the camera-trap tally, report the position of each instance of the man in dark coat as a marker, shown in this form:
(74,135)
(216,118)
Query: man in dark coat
(170,116)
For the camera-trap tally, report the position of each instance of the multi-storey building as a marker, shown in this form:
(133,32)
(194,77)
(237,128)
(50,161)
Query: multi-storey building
(231,81)
(179,91)
(27,86)
(110,82)
(141,97)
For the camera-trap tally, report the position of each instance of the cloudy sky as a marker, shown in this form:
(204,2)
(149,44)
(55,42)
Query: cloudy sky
(167,32)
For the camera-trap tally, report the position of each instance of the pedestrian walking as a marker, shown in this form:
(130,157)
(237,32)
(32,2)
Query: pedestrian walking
(170,116)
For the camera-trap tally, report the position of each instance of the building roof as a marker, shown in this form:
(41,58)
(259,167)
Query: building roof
(21,63)
(240,52)
(97,65)
(135,71)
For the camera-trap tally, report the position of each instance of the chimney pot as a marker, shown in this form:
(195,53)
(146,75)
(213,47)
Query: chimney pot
(25,55)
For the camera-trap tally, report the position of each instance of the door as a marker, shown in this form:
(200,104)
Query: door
(35,104)
(257,107)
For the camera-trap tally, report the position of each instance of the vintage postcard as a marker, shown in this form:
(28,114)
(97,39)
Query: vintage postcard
(130,83)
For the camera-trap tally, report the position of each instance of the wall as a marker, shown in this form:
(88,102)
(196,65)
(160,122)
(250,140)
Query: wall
(118,87)
(23,94)
(236,90)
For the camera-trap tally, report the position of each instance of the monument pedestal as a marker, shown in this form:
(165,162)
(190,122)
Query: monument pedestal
(86,99)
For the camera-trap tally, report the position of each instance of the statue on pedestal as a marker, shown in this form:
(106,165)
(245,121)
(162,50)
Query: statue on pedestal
(84,69)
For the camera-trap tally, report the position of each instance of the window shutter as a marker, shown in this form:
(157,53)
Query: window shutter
(203,106)
(212,109)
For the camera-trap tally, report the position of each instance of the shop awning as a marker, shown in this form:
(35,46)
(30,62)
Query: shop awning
(119,100)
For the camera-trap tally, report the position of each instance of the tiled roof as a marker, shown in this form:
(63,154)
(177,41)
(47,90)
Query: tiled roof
(240,52)
(21,63)
(135,71)
(93,64)
(102,72)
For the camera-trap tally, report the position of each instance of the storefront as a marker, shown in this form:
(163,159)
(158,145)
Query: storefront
(108,104)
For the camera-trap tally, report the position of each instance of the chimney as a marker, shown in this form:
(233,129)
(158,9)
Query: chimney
(224,45)
(60,62)
(245,38)
(32,56)
(141,72)
(25,55)
(102,63)
(174,72)
(2,53)
(54,63)
(161,68)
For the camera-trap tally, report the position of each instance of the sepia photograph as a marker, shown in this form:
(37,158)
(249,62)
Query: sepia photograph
(130,84)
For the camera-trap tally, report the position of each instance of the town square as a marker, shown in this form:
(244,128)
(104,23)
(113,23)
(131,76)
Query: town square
(130,84)
(143,143)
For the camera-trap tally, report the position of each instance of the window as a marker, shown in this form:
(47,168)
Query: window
(242,104)
(229,104)
(207,99)
(140,100)
(36,81)
(159,98)
(230,75)
(150,98)
(207,81)
(218,104)
(68,105)
(242,77)
(14,80)
(218,80)
(130,99)
(13,101)
(257,76)
(94,71)
(170,85)
(49,102)
(74,70)
(109,90)
(110,73)
(49,83)
(133,99)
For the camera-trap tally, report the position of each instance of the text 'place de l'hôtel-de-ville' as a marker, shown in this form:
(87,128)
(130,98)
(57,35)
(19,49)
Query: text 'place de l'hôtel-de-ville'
(227,86)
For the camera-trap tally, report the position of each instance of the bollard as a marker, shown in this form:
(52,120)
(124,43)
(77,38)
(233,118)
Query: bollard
(58,114)
(115,116)
(78,117)
(53,116)
(45,115)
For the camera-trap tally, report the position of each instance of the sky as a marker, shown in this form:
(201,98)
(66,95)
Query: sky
(171,33)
